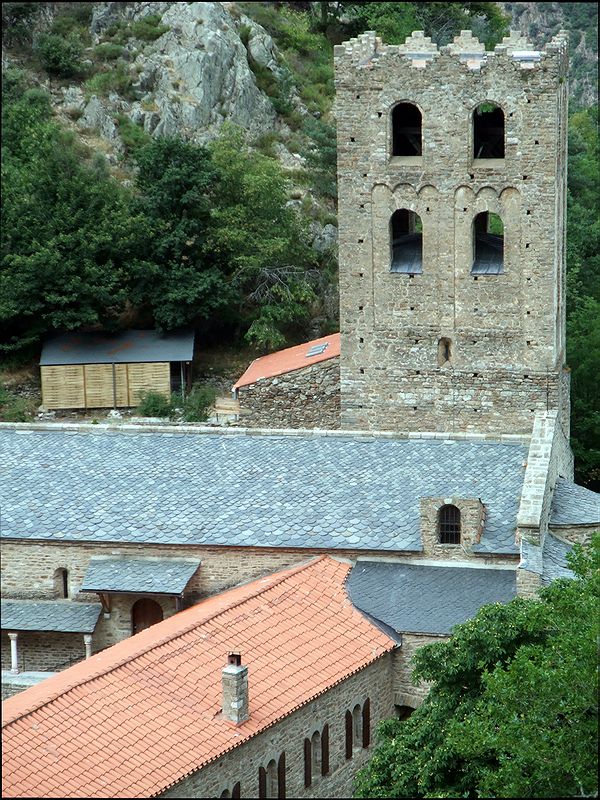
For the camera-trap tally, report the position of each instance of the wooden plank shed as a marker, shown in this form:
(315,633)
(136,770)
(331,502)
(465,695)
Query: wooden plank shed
(100,370)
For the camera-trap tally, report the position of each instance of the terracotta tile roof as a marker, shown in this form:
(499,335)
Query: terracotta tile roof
(290,359)
(138,717)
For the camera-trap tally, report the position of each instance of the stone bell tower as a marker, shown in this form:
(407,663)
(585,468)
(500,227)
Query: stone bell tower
(452,202)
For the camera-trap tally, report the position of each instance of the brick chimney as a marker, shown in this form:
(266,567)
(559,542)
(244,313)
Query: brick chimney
(235,689)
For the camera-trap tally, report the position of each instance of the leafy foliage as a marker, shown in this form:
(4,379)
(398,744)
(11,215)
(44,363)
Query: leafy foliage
(512,711)
(60,55)
(154,404)
(198,403)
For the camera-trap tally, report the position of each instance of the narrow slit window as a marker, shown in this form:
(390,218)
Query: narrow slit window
(407,130)
(406,242)
(488,244)
(449,525)
(444,351)
(488,131)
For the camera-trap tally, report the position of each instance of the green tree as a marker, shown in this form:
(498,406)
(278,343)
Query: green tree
(176,275)
(262,241)
(512,711)
(67,232)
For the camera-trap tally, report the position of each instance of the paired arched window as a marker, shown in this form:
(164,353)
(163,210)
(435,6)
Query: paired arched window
(61,582)
(316,755)
(271,779)
(488,131)
(488,244)
(358,727)
(406,242)
(407,130)
(449,525)
(234,793)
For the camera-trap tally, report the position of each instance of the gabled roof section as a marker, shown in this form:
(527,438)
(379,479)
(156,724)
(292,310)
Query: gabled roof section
(574,505)
(140,576)
(228,488)
(140,716)
(63,616)
(290,359)
(554,559)
(127,347)
(415,598)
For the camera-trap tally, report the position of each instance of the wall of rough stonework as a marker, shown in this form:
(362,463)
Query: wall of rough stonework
(44,652)
(304,398)
(28,568)
(507,330)
(404,686)
(472,524)
(242,763)
(578,534)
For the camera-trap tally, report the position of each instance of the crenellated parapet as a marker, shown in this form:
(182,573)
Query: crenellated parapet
(367,51)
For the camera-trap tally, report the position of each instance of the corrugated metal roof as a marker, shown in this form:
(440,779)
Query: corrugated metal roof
(142,576)
(61,616)
(128,347)
(413,598)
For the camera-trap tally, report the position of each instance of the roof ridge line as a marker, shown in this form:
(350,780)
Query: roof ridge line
(8,719)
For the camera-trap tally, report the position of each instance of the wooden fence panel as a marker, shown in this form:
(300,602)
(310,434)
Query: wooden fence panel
(99,385)
(148,377)
(63,386)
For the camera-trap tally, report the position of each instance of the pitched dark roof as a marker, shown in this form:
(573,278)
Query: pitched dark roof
(413,598)
(554,559)
(574,505)
(120,348)
(62,616)
(299,490)
(142,576)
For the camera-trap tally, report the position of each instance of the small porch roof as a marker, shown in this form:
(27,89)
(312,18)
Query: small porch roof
(41,616)
(138,576)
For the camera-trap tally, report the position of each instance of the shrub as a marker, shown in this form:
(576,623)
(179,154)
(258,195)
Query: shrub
(108,51)
(132,135)
(154,404)
(149,28)
(198,403)
(60,56)
(117,80)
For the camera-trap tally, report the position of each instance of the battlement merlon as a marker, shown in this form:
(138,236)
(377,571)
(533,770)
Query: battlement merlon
(367,51)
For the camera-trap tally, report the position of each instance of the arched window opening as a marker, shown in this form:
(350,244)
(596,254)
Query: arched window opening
(315,746)
(488,244)
(225,793)
(349,742)
(366,723)
(145,613)
(488,131)
(272,783)
(403,712)
(357,725)
(406,239)
(449,525)
(444,351)
(407,132)
(61,583)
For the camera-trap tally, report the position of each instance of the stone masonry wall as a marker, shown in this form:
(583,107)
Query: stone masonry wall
(405,689)
(242,763)
(578,534)
(304,398)
(44,652)
(506,330)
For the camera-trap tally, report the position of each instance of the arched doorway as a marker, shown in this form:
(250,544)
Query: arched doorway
(145,613)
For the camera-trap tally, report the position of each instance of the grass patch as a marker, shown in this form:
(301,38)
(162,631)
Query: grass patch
(108,51)
(149,28)
(133,136)
(117,79)
(14,408)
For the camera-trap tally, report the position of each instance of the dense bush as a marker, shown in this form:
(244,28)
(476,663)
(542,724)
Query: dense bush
(60,55)
(154,404)
(198,403)
(148,28)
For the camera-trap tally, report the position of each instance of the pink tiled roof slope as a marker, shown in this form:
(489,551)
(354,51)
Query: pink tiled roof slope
(138,717)
(290,359)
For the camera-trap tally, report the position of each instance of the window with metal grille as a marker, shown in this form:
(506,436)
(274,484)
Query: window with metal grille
(449,525)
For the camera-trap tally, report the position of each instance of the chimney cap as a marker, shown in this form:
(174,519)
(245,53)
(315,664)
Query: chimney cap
(234,658)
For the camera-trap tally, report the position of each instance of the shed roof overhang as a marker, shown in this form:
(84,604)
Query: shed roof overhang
(49,616)
(138,576)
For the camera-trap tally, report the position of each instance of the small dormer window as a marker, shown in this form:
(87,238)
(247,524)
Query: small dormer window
(449,525)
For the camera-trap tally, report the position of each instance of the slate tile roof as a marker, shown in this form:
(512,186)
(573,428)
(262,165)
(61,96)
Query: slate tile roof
(290,359)
(554,559)
(413,598)
(63,616)
(303,491)
(119,348)
(574,505)
(138,717)
(143,576)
